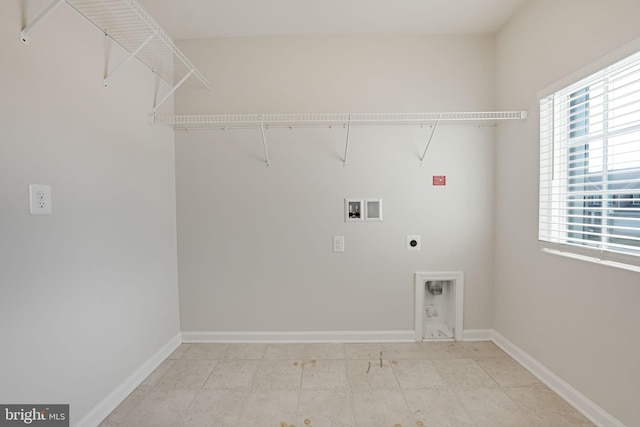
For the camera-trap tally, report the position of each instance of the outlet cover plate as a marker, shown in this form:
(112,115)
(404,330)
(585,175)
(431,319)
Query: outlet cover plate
(39,199)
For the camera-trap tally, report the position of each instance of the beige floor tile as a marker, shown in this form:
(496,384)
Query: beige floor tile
(206,351)
(545,407)
(160,408)
(445,350)
(400,351)
(269,408)
(381,408)
(325,408)
(323,351)
(426,384)
(364,351)
(367,375)
(187,374)
(108,423)
(463,373)
(484,349)
(180,351)
(491,407)
(245,351)
(285,351)
(232,374)
(214,408)
(153,378)
(507,372)
(304,351)
(127,405)
(417,374)
(278,374)
(438,407)
(324,374)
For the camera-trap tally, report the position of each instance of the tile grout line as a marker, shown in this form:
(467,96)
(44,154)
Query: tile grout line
(246,392)
(524,412)
(404,398)
(501,388)
(184,413)
(352,401)
(302,366)
(412,415)
(454,392)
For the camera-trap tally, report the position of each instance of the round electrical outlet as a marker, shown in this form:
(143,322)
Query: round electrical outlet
(414,242)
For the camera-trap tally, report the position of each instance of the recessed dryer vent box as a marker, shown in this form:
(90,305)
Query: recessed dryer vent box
(439,301)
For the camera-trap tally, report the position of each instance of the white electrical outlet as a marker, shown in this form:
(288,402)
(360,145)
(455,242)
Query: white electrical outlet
(338,243)
(39,199)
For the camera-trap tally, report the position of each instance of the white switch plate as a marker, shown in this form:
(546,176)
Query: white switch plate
(338,243)
(414,242)
(39,199)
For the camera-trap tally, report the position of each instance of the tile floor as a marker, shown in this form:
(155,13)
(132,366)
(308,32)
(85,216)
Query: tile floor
(342,385)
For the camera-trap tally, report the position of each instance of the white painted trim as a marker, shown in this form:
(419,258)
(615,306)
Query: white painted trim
(296,337)
(113,399)
(573,397)
(597,65)
(419,282)
(477,334)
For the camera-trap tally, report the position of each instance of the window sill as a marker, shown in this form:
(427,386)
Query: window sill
(591,259)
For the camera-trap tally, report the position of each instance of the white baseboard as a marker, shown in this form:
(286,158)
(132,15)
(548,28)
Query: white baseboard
(573,397)
(298,337)
(477,334)
(109,403)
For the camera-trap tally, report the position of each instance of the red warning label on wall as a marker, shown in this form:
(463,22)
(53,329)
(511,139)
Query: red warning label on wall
(439,180)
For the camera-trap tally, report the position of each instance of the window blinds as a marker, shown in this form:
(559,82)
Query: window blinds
(590,165)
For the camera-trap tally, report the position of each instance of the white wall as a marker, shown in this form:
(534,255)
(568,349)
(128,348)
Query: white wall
(255,243)
(89,293)
(578,319)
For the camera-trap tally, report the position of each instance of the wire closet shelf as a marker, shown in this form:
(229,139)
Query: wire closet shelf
(254,121)
(130,26)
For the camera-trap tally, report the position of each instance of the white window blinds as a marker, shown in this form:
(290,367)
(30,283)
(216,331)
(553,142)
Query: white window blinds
(590,165)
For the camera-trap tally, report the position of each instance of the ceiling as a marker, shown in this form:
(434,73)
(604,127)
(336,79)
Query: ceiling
(186,19)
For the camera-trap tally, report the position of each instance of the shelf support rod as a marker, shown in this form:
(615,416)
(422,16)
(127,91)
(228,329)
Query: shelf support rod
(264,143)
(129,58)
(433,131)
(24,34)
(346,145)
(184,79)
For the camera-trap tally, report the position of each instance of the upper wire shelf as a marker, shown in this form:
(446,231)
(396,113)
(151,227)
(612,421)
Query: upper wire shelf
(253,121)
(130,26)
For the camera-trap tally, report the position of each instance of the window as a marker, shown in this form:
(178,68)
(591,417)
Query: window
(590,166)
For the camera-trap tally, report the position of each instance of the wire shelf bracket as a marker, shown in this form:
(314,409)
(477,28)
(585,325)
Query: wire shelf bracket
(26,31)
(131,55)
(264,144)
(130,26)
(433,131)
(346,144)
(174,88)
